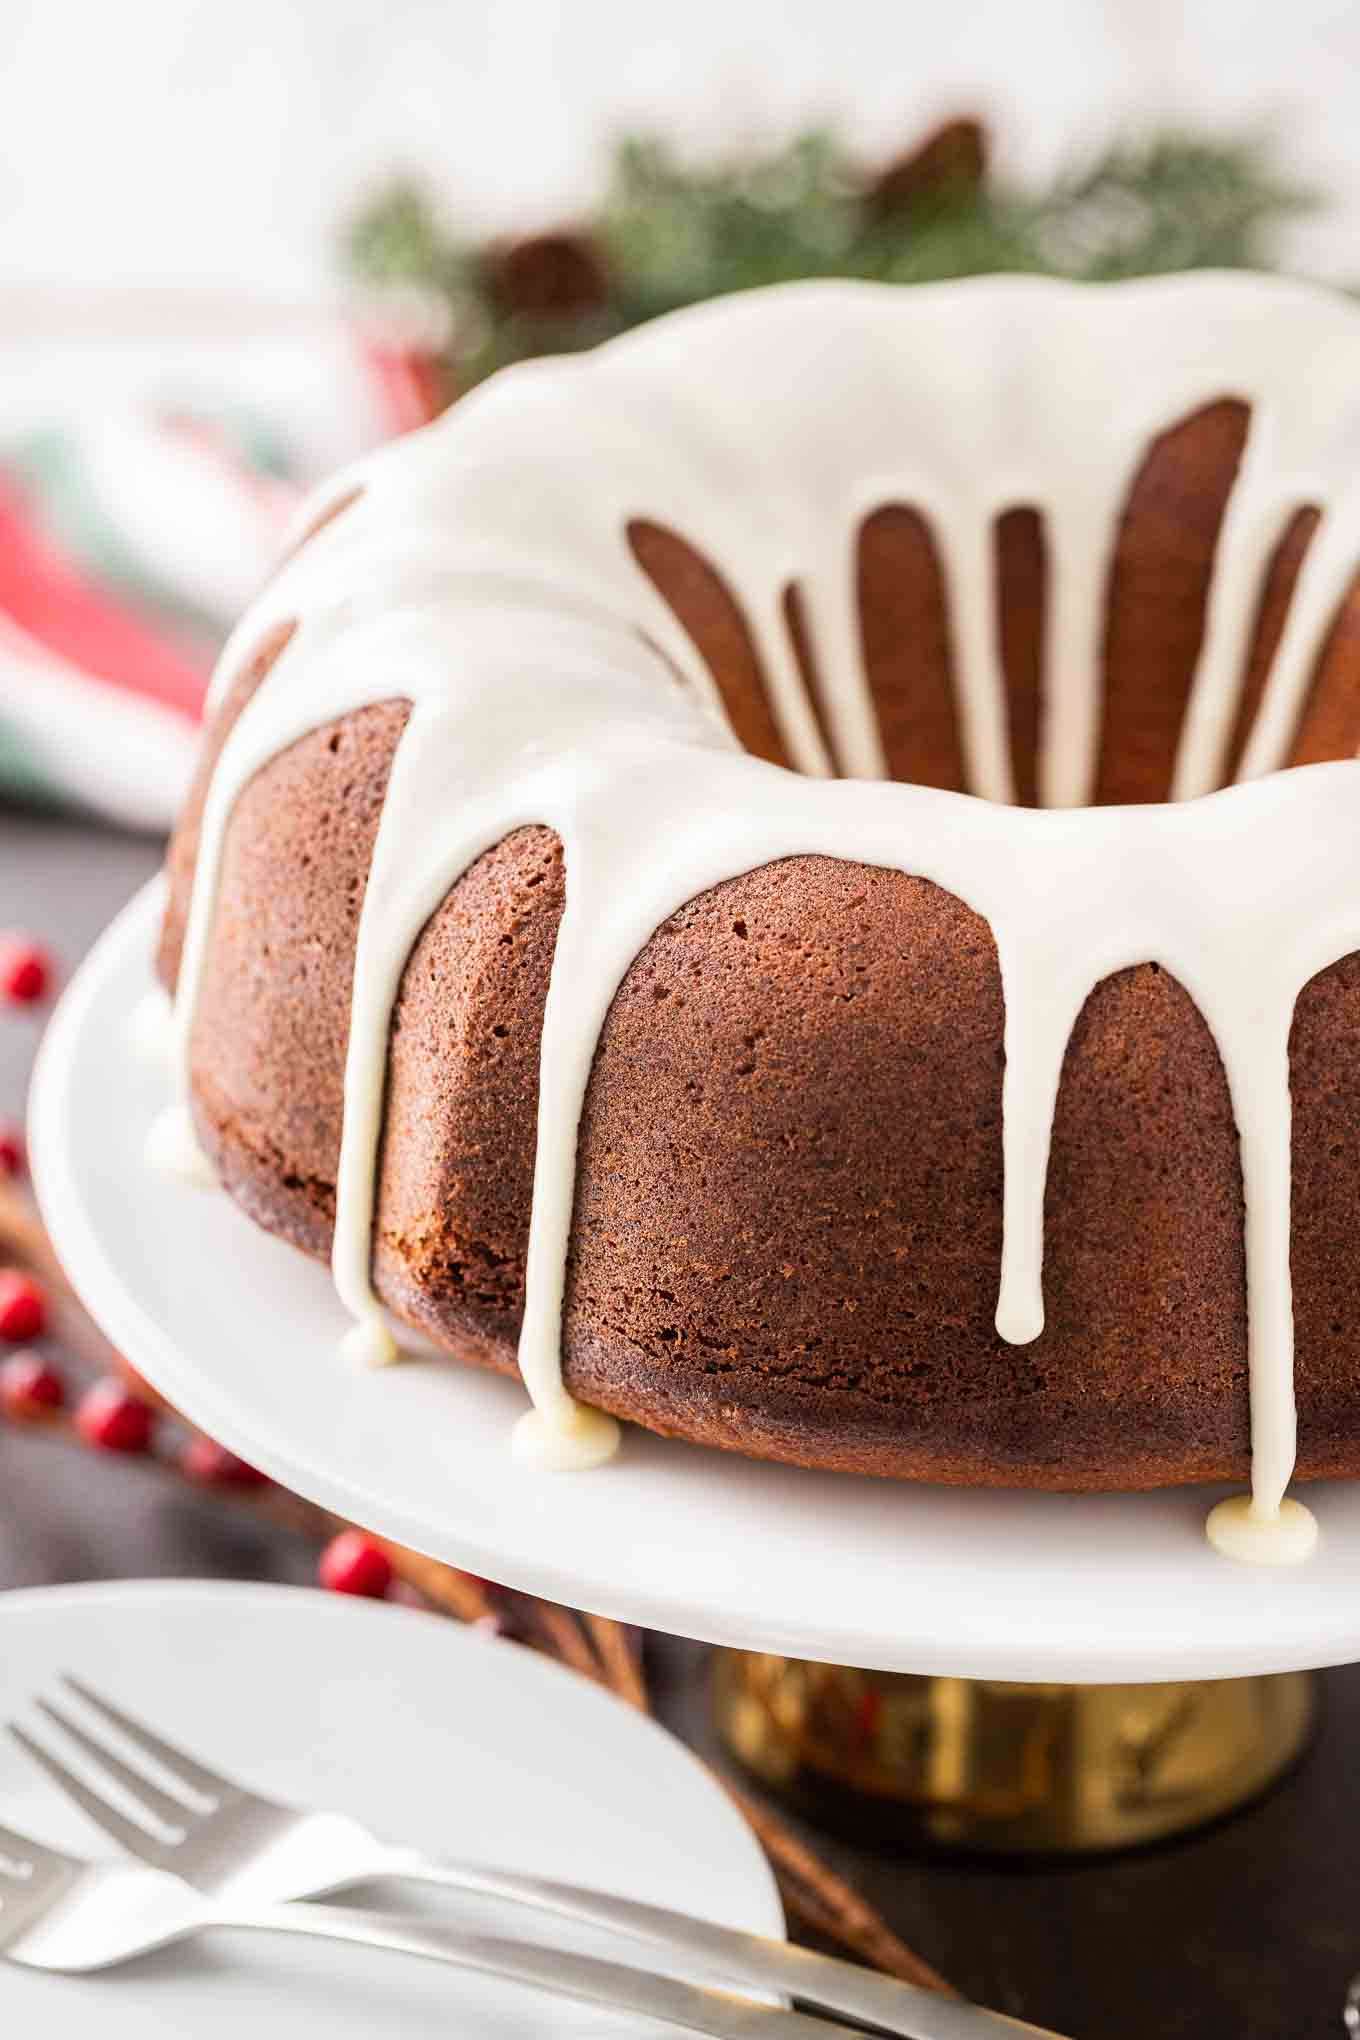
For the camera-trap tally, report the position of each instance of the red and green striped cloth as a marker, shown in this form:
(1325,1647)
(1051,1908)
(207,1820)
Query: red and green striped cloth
(131,536)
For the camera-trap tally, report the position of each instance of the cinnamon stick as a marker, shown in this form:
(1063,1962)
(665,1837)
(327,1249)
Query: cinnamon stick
(456,1593)
(813,1894)
(23,1240)
(818,1898)
(563,1631)
(623,1673)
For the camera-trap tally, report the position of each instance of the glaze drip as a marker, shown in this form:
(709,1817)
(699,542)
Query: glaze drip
(483,570)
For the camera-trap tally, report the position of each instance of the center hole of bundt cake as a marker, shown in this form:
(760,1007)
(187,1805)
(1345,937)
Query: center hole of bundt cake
(1156,610)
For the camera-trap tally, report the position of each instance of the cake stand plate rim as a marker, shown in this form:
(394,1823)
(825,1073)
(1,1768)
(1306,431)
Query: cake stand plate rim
(955,1582)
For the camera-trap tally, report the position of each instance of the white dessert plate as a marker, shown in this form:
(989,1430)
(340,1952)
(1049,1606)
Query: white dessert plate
(428,1732)
(242,1334)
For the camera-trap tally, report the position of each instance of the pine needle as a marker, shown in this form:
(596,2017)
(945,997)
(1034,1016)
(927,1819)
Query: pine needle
(669,232)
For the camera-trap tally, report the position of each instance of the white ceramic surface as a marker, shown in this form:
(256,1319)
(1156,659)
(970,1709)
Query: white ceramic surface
(241,1333)
(430,1733)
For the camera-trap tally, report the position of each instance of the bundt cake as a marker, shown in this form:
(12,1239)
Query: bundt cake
(746,874)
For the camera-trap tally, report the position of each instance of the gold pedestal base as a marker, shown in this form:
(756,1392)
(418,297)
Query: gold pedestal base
(974,1764)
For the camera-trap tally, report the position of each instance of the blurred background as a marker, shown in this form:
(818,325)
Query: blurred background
(239,245)
(178,141)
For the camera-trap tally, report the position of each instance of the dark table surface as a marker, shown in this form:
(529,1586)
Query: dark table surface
(1247,1931)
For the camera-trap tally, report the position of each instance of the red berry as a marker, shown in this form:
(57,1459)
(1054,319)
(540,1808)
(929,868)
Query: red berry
(354,1564)
(11,1150)
(25,969)
(137,1382)
(206,1460)
(23,1306)
(114,1420)
(29,1387)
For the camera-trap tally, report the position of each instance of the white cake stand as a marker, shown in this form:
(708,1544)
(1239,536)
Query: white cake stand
(242,1334)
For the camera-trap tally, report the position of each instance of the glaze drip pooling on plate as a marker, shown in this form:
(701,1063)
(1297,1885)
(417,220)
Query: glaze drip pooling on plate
(482,570)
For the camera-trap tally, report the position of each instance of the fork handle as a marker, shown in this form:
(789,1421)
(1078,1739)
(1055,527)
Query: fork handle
(748,1961)
(585,1977)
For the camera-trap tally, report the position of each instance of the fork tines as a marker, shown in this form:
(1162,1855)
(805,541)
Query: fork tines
(161,1816)
(32,1877)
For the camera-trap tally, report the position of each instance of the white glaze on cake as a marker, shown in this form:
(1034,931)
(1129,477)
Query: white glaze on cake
(1242,1528)
(483,572)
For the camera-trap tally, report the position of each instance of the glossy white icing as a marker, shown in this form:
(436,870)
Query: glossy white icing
(151,1030)
(172,1148)
(1242,1529)
(483,572)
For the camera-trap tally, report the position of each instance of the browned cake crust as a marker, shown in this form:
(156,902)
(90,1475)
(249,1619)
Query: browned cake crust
(788,1214)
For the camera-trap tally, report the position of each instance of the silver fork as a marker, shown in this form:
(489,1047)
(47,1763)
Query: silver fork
(58,1913)
(237,1846)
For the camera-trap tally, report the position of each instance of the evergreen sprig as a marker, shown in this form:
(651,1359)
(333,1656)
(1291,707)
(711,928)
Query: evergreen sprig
(668,233)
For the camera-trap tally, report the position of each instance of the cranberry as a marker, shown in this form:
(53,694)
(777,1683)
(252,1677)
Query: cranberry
(25,969)
(11,1150)
(137,1382)
(112,1419)
(354,1564)
(207,1461)
(23,1306)
(30,1386)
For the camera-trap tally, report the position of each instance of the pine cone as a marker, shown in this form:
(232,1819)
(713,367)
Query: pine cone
(545,276)
(950,162)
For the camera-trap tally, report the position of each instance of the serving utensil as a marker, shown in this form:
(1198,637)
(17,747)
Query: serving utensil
(60,1913)
(238,1847)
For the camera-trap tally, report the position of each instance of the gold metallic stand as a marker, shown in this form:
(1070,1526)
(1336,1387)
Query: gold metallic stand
(994,1767)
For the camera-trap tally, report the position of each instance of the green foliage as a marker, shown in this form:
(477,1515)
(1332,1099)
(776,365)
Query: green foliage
(668,233)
